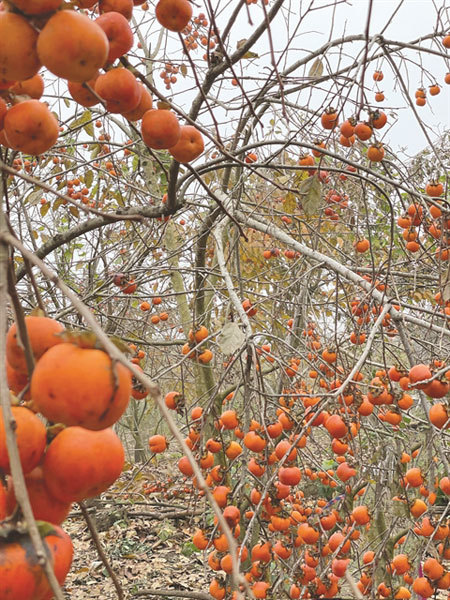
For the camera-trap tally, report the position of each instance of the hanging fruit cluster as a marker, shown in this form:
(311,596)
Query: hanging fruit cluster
(79,388)
(45,33)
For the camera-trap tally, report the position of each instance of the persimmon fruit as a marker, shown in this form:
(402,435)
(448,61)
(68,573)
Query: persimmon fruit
(19,58)
(44,505)
(36,7)
(72,46)
(80,463)
(33,87)
(174,15)
(189,146)
(80,386)
(122,7)
(30,127)
(160,129)
(157,443)
(144,105)
(31,437)
(82,94)
(120,90)
(17,381)
(118,32)
(22,577)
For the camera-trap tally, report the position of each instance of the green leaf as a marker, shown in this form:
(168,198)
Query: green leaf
(310,189)
(189,549)
(85,118)
(250,54)
(88,179)
(165,533)
(67,102)
(89,129)
(57,203)
(95,151)
(44,209)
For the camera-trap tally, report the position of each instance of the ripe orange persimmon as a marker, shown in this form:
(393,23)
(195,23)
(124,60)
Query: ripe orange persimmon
(360,515)
(233,450)
(72,46)
(21,573)
(220,494)
(42,333)
(419,373)
(122,7)
(173,14)
(31,437)
(36,7)
(347,128)
(205,357)
(80,463)
(434,189)
(414,477)
(157,444)
(199,336)
(80,386)
(30,127)
(229,419)
(174,400)
(45,506)
(144,105)
(82,94)
(308,534)
(444,485)
(363,131)
(345,472)
(400,564)
(418,507)
(329,118)
(438,415)
(118,32)
(289,475)
(189,145)
(254,442)
(362,245)
(433,568)
(199,540)
(422,587)
(17,381)
(336,426)
(19,59)
(160,129)
(120,90)
(33,87)
(185,466)
(375,153)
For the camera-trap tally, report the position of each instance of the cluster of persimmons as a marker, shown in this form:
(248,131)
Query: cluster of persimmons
(81,393)
(322,536)
(83,51)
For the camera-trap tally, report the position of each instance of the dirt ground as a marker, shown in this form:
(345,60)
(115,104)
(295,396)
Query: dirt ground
(148,542)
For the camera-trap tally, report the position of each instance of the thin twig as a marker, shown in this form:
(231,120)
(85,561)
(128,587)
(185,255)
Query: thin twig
(101,553)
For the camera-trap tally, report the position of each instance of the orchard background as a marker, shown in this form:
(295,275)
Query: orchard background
(224,299)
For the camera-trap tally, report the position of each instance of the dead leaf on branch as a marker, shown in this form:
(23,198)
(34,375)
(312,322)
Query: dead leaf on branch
(231,338)
(316,69)
(311,195)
